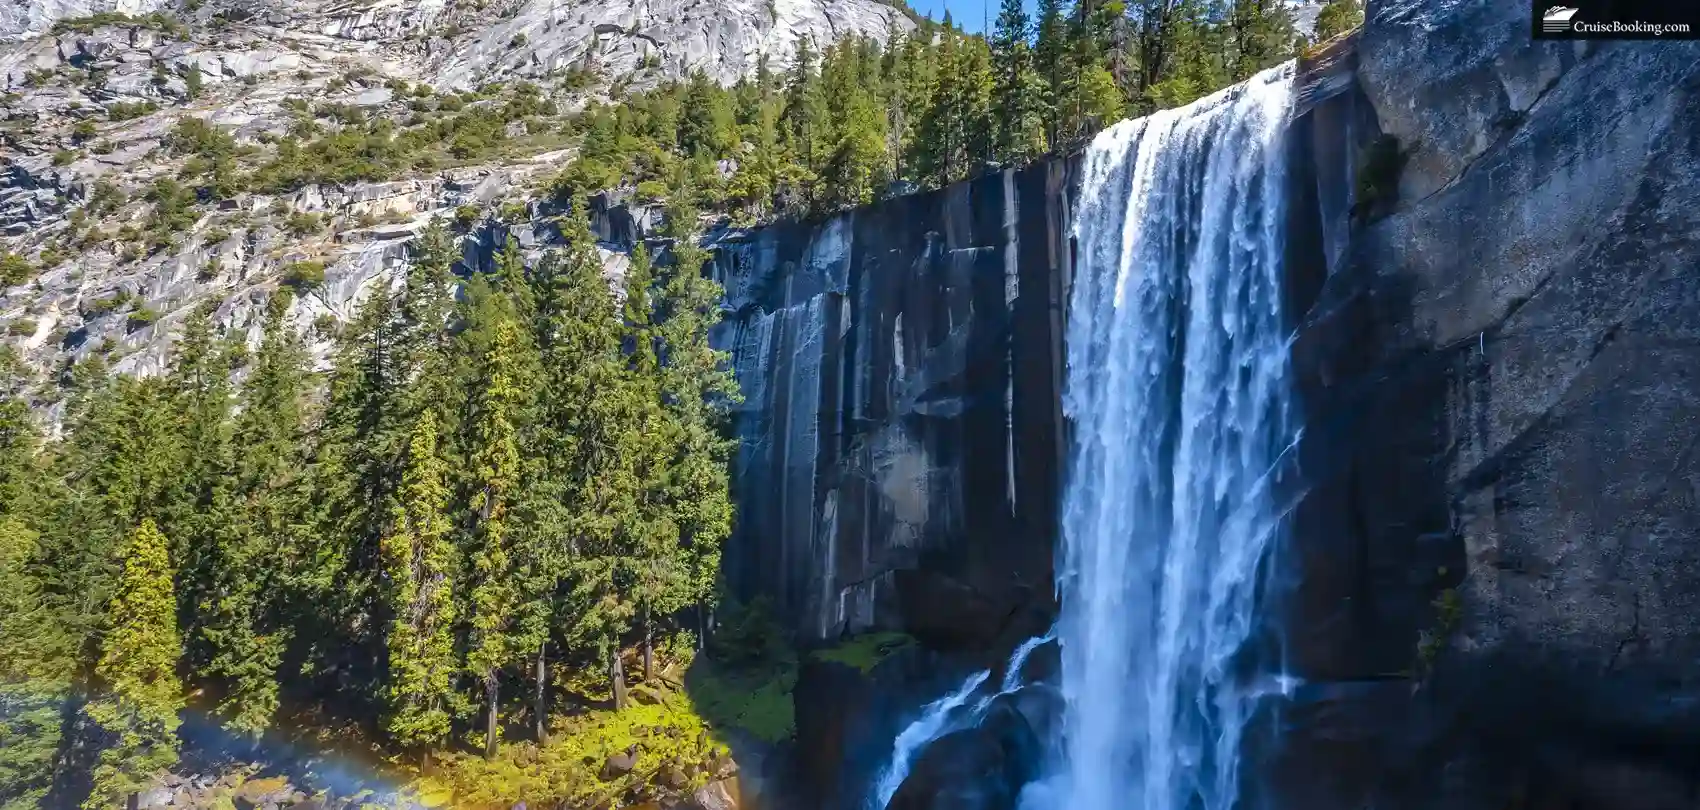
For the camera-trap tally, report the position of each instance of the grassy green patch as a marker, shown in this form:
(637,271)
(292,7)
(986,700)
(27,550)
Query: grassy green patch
(866,651)
(569,768)
(757,701)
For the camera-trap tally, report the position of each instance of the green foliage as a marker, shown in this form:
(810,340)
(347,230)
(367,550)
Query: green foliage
(303,223)
(173,210)
(468,215)
(64,157)
(124,111)
(304,275)
(756,699)
(137,669)
(1448,615)
(141,317)
(1336,17)
(866,651)
(419,558)
(195,136)
(748,635)
(15,269)
(82,131)
(158,21)
(1378,168)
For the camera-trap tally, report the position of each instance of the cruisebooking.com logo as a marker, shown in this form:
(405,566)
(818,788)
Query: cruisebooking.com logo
(1568,22)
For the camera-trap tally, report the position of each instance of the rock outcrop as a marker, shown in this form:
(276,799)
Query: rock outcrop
(1498,561)
(901,428)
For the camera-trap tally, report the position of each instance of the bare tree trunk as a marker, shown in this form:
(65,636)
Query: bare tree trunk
(541,707)
(648,647)
(617,673)
(491,693)
(702,626)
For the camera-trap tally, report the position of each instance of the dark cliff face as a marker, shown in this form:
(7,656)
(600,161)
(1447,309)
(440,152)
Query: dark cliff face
(1496,570)
(901,427)
(1492,581)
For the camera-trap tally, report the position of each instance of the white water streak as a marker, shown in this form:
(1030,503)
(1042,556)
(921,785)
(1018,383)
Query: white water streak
(1177,386)
(936,720)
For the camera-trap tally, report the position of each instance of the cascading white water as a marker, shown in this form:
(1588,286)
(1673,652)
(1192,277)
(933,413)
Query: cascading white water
(1177,387)
(940,718)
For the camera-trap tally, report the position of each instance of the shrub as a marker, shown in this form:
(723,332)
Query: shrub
(303,276)
(518,40)
(194,136)
(302,223)
(15,269)
(64,157)
(21,327)
(82,131)
(467,216)
(651,191)
(142,317)
(325,324)
(1378,169)
(124,111)
(106,306)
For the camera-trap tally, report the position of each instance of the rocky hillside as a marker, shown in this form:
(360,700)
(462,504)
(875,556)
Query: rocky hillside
(118,118)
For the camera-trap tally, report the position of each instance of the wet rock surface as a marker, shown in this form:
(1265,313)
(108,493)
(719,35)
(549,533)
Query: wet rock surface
(901,426)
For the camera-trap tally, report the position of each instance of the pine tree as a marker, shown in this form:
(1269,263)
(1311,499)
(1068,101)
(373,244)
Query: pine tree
(140,695)
(356,472)
(1050,51)
(497,404)
(697,388)
(419,559)
(248,610)
(706,124)
(805,124)
(35,671)
(1260,36)
(202,517)
(1336,17)
(1018,97)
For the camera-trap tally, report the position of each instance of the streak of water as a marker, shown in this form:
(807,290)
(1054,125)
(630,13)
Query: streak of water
(1177,387)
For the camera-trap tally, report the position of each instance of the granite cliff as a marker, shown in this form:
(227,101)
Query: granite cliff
(1488,587)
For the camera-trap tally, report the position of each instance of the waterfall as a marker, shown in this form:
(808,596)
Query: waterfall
(931,725)
(936,720)
(1177,387)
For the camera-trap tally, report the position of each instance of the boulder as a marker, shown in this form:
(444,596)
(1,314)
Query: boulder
(718,795)
(618,765)
(978,768)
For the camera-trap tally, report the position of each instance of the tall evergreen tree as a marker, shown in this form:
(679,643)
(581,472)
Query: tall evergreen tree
(497,404)
(1019,94)
(35,671)
(246,621)
(1336,17)
(419,559)
(139,695)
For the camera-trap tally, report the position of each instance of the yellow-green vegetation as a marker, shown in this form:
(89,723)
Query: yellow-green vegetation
(1448,614)
(758,701)
(569,767)
(866,651)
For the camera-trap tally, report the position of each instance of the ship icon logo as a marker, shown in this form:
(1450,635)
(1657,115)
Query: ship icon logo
(1557,19)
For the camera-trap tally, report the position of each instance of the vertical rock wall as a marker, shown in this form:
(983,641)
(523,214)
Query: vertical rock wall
(1496,569)
(901,426)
